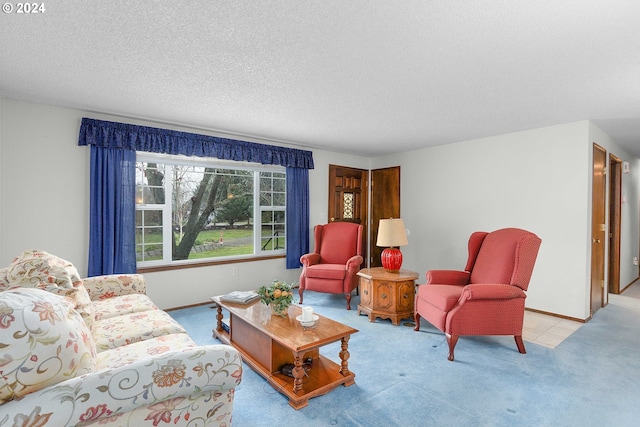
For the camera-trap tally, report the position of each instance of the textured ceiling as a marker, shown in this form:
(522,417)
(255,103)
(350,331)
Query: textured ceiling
(367,77)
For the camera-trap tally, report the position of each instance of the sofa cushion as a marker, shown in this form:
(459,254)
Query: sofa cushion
(43,341)
(133,327)
(39,269)
(119,305)
(4,280)
(121,356)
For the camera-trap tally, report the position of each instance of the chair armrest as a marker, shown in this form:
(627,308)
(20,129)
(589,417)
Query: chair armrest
(171,377)
(101,287)
(310,259)
(484,291)
(448,277)
(354,263)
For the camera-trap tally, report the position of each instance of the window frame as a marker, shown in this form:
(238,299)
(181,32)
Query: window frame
(167,263)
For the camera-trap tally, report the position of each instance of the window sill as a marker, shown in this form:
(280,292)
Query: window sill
(208,263)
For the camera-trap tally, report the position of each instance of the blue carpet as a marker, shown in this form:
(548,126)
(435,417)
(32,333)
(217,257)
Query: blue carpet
(403,377)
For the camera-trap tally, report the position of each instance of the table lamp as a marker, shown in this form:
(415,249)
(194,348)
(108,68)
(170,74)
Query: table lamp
(391,234)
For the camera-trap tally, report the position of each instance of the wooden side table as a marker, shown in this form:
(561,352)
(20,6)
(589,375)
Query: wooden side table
(387,295)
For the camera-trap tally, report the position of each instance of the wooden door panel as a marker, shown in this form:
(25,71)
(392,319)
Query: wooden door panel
(615,208)
(348,194)
(385,203)
(598,228)
(348,198)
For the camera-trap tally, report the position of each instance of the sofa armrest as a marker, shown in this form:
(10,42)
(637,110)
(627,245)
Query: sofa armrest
(101,287)
(447,277)
(163,386)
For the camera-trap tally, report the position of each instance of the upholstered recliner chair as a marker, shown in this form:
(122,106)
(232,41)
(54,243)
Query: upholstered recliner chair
(487,298)
(336,259)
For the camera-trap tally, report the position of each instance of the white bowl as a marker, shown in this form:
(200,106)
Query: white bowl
(309,323)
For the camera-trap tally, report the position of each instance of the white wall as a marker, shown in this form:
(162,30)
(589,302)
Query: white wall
(537,179)
(45,182)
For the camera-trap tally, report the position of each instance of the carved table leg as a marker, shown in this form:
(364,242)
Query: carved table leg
(219,317)
(344,356)
(298,373)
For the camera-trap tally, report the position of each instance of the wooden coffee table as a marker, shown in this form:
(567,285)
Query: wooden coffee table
(267,342)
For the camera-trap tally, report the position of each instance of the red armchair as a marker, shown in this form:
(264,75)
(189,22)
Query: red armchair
(336,259)
(487,298)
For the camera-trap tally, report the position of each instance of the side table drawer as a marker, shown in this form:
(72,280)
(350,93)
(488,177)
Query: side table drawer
(405,297)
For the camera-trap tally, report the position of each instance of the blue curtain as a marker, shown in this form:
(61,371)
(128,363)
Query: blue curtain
(112,221)
(113,147)
(297,211)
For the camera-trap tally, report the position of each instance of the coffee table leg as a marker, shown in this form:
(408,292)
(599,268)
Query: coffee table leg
(219,317)
(298,373)
(344,356)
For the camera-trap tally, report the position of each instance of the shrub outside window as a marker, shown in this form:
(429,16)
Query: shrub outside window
(193,210)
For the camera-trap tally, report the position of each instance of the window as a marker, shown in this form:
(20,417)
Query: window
(190,210)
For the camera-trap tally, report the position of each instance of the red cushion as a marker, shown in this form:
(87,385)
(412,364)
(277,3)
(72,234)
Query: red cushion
(444,297)
(326,271)
(339,242)
(496,260)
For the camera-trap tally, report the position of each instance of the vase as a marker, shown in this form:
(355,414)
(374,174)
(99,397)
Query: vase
(282,313)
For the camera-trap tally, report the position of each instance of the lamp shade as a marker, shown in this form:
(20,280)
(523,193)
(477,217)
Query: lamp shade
(391,233)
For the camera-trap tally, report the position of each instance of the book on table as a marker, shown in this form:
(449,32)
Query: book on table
(240,297)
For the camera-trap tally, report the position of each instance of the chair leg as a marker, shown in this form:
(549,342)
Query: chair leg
(520,344)
(416,320)
(348,301)
(300,294)
(452,341)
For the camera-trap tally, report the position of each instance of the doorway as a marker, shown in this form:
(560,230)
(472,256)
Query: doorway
(348,197)
(598,227)
(615,208)
(385,203)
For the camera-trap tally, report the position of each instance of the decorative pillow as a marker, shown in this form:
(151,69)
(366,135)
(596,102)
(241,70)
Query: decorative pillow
(42,270)
(43,341)
(4,280)
(84,305)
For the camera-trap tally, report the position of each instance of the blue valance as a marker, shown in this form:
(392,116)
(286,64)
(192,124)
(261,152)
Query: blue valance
(107,134)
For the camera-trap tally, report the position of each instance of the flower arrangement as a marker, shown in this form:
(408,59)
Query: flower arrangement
(279,296)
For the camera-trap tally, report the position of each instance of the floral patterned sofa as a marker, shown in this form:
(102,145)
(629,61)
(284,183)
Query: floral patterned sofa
(97,351)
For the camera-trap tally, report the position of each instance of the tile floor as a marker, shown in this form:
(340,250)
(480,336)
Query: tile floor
(545,330)
(549,331)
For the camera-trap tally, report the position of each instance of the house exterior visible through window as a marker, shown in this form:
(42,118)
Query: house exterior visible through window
(193,210)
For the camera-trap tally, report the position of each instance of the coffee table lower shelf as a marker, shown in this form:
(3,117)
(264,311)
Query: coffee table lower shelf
(265,355)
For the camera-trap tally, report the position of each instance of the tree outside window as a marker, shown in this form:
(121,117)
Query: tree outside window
(206,210)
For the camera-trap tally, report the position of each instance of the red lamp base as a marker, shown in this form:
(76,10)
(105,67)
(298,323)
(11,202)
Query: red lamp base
(391,259)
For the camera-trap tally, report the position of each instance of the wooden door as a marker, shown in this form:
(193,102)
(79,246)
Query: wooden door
(615,207)
(385,203)
(598,227)
(348,197)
